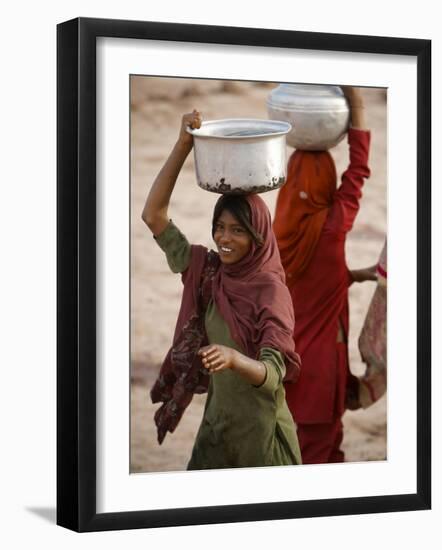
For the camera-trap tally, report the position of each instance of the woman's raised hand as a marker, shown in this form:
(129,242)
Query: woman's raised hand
(353,95)
(189,120)
(356,103)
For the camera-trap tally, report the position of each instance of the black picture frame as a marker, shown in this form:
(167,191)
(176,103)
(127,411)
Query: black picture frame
(77,287)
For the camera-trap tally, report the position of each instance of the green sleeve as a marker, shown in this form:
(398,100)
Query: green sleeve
(176,247)
(275,367)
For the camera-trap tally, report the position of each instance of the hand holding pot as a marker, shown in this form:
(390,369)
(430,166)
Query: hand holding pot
(356,104)
(353,95)
(190,120)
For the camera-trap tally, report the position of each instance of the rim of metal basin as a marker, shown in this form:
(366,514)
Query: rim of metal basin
(241,128)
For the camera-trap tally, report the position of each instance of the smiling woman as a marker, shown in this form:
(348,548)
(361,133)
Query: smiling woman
(233,336)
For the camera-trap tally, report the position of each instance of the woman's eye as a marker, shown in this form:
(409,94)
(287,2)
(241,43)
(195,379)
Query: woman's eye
(238,230)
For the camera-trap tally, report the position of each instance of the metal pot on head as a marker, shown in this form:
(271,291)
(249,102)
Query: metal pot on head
(240,155)
(319,115)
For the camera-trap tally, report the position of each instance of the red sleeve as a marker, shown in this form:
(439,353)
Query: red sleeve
(346,199)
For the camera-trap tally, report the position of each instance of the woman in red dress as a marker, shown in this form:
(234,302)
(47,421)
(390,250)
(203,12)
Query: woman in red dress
(312,220)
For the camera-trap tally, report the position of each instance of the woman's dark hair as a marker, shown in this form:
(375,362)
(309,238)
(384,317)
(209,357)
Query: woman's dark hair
(238,206)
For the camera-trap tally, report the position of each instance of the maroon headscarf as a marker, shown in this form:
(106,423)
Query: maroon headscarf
(252,298)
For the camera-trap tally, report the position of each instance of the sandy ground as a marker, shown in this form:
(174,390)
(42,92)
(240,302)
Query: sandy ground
(157,106)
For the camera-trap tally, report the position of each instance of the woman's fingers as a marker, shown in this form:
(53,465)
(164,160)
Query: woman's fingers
(214,358)
(220,365)
(208,350)
(197,119)
(216,363)
(211,360)
(193,120)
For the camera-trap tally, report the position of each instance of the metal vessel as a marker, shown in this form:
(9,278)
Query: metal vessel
(240,155)
(319,115)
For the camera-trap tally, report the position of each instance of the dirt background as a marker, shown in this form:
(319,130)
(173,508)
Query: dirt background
(157,105)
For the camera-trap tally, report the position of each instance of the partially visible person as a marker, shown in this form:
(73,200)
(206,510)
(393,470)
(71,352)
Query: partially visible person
(373,344)
(312,220)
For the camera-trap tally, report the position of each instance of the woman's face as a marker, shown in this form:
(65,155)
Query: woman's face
(231,238)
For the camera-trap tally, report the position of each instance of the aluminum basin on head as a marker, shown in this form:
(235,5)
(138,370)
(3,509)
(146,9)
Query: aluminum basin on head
(240,155)
(319,114)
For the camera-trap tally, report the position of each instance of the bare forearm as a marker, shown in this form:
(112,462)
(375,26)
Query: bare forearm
(358,117)
(155,212)
(251,370)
